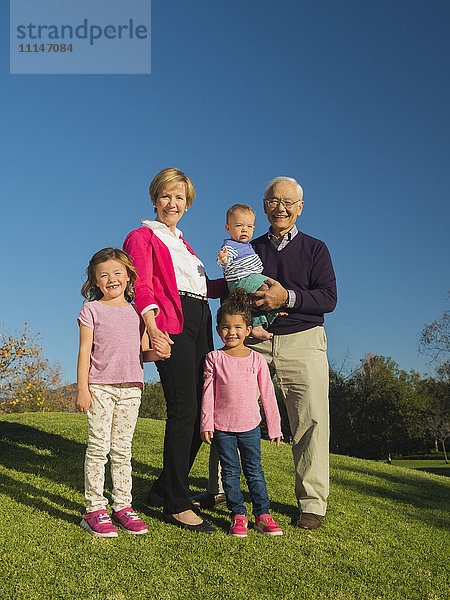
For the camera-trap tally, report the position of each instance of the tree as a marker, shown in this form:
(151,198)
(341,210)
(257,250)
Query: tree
(153,403)
(376,410)
(17,354)
(26,377)
(437,394)
(435,341)
(36,391)
(439,426)
(343,413)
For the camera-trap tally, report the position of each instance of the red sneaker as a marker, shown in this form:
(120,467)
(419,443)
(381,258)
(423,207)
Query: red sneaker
(98,523)
(265,524)
(239,524)
(128,520)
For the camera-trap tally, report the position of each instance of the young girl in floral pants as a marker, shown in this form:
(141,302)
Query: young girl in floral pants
(110,380)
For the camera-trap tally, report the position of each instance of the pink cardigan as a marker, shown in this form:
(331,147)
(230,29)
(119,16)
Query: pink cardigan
(156,283)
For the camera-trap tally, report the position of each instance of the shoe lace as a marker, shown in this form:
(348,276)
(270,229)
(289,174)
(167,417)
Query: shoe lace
(239,522)
(132,515)
(267,521)
(104,518)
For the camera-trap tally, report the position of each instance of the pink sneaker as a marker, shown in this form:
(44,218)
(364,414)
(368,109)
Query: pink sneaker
(98,523)
(265,524)
(239,524)
(128,520)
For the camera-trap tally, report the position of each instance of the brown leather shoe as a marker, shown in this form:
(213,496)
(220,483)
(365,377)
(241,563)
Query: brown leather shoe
(207,500)
(309,521)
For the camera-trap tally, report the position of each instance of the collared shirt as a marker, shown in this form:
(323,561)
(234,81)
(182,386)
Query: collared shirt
(278,244)
(189,269)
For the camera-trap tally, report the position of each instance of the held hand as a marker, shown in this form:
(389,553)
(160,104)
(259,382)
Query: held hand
(270,298)
(207,436)
(83,401)
(223,256)
(160,341)
(161,347)
(277,440)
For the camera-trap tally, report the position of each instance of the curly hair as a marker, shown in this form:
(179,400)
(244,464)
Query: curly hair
(90,290)
(237,303)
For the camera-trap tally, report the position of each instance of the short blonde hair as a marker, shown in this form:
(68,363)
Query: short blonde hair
(276,180)
(167,176)
(244,207)
(90,290)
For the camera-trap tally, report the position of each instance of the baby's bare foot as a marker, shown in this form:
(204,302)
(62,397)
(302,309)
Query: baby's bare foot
(261,334)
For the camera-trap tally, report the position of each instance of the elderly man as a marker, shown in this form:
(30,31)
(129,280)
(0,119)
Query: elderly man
(301,281)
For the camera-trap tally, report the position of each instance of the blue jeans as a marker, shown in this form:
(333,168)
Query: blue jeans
(249,445)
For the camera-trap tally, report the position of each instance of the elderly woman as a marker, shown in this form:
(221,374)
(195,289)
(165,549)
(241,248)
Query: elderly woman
(171,294)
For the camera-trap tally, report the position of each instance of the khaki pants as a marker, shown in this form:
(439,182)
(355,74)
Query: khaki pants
(300,363)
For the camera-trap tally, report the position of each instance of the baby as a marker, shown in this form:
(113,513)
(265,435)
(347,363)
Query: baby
(242,267)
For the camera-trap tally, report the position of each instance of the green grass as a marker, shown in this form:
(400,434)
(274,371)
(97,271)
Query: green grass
(436,466)
(386,534)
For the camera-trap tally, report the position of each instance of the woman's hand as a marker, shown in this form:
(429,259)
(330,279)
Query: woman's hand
(161,345)
(277,440)
(270,296)
(159,340)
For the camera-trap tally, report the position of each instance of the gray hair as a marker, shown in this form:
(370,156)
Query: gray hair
(276,180)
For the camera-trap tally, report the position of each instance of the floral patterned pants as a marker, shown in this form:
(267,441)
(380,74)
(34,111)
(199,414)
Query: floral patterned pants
(111,421)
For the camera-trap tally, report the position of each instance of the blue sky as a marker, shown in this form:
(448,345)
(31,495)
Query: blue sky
(349,97)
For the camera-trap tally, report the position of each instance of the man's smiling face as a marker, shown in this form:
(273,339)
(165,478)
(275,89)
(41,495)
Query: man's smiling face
(281,217)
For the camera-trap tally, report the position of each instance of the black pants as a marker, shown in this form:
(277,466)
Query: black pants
(182,381)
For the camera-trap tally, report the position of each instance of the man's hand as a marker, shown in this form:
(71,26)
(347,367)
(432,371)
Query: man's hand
(223,256)
(207,436)
(270,296)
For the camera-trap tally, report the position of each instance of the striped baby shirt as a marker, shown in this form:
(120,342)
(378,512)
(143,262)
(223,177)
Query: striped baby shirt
(242,260)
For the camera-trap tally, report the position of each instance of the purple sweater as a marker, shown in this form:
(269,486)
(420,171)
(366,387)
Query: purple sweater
(304,266)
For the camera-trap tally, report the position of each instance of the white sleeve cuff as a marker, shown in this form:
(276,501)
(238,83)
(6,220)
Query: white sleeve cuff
(154,307)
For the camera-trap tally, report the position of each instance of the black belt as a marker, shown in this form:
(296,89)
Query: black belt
(192,295)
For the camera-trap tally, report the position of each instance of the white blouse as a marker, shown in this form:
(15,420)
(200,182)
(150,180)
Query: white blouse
(189,269)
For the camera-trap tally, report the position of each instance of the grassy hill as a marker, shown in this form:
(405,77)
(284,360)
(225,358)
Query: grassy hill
(386,534)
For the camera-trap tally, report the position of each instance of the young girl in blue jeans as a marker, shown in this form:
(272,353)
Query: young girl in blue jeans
(110,380)
(231,415)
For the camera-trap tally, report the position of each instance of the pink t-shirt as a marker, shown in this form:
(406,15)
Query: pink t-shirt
(116,355)
(230,394)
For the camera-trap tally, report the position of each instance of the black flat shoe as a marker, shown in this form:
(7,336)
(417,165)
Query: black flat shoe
(203,527)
